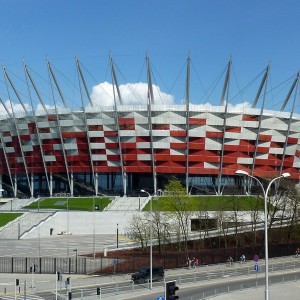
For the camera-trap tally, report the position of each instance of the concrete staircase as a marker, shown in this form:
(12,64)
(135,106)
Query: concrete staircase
(16,204)
(127,204)
(28,220)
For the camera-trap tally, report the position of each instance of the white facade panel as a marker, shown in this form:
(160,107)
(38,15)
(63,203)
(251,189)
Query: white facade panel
(49,158)
(97,145)
(57,147)
(126,133)
(113,163)
(276,151)
(95,121)
(66,123)
(262,156)
(99,157)
(279,138)
(161,133)
(232,142)
(144,157)
(161,145)
(7,139)
(177,152)
(70,146)
(211,165)
(92,134)
(9,149)
(291,150)
(43,124)
(232,135)
(27,148)
(112,151)
(197,133)
(245,160)
(143,145)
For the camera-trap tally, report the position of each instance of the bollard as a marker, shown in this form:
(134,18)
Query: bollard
(5,290)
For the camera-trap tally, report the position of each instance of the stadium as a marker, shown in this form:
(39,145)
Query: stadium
(121,149)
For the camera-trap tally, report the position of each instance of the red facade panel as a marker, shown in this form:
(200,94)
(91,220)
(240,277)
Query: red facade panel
(179,133)
(264,137)
(292,141)
(214,135)
(177,145)
(122,121)
(197,121)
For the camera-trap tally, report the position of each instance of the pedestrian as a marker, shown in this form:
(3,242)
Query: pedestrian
(243,259)
(189,262)
(297,252)
(196,264)
(230,261)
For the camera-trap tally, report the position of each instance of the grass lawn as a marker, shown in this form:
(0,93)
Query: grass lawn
(76,203)
(208,203)
(7,217)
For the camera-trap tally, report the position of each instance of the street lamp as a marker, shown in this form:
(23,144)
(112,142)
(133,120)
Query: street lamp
(76,261)
(68,227)
(117,235)
(151,225)
(265,193)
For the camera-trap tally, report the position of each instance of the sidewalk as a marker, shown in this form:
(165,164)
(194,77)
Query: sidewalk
(288,290)
(46,282)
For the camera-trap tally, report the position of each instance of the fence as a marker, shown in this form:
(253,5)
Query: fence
(49,265)
(133,262)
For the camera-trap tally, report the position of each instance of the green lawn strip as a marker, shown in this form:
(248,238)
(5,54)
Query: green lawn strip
(76,203)
(207,203)
(8,217)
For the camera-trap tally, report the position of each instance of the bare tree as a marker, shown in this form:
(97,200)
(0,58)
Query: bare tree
(161,228)
(138,230)
(180,208)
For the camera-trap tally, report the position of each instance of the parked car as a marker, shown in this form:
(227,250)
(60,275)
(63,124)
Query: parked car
(143,275)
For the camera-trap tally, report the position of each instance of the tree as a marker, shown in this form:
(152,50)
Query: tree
(139,230)
(180,209)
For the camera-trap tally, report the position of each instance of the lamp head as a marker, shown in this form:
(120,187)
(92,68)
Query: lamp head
(285,174)
(241,172)
(143,191)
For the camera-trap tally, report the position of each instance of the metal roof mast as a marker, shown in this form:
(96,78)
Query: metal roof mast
(27,74)
(150,101)
(187,105)
(115,85)
(51,75)
(6,76)
(80,75)
(225,93)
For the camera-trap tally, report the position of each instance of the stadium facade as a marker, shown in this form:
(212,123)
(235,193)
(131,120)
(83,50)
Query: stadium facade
(122,149)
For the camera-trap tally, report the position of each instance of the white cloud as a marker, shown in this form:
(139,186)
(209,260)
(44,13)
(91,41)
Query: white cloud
(17,107)
(240,106)
(131,93)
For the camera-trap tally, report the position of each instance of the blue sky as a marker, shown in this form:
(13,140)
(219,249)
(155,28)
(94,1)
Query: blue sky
(253,32)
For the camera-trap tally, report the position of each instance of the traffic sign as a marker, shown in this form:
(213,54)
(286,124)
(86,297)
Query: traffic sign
(256,258)
(256,267)
(160,298)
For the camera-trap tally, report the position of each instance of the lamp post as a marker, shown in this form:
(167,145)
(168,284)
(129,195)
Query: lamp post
(76,251)
(94,229)
(117,235)
(151,225)
(68,227)
(265,193)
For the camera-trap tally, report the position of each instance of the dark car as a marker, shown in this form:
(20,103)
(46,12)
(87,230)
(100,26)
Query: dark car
(143,275)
